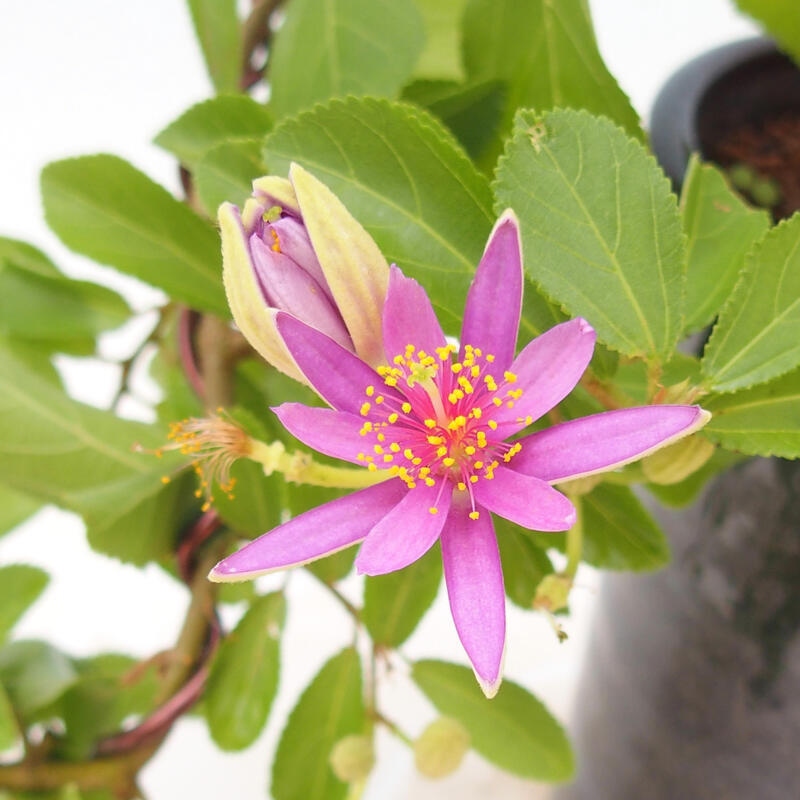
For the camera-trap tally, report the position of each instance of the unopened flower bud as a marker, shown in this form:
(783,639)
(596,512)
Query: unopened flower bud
(438,752)
(678,461)
(552,593)
(352,758)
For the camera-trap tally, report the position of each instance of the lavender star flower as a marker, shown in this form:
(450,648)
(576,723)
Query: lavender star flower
(441,430)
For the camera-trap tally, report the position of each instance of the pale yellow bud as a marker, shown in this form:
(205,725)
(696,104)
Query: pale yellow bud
(552,593)
(352,758)
(438,752)
(678,461)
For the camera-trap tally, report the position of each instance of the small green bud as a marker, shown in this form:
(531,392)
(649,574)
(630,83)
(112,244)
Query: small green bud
(678,461)
(741,175)
(552,593)
(352,758)
(441,747)
(765,192)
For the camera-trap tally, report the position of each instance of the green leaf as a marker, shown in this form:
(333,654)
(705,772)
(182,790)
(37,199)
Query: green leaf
(327,49)
(329,709)
(762,421)
(781,20)
(20,585)
(403,177)
(226,172)
(547,55)
(757,337)
(513,730)
(336,566)
(524,562)
(9,731)
(80,458)
(104,208)
(256,502)
(395,603)
(244,675)
(35,675)
(15,507)
(212,123)
(441,57)
(720,228)
(219,33)
(619,533)
(600,227)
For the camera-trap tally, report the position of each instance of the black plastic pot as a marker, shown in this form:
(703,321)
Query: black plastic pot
(691,685)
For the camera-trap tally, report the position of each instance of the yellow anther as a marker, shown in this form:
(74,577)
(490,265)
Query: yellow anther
(510,377)
(433,510)
(461,486)
(434,439)
(406,408)
(365,407)
(515,393)
(476,413)
(441,451)
(394,447)
(429,423)
(474,514)
(457,367)
(393,417)
(388,458)
(470,450)
(449,461)
(370,391)
(377,449)
(408,453)
(492,424)
(490,358)
(473,478)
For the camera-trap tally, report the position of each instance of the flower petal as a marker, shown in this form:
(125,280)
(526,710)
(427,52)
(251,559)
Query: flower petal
(275,191)
(354,267)
(245,297)
(319,532)
(546,371)
(338,376)
(407,532)
(494,301)
(475,590)
(602,442)
(334,433)
(408,317)
(526,500)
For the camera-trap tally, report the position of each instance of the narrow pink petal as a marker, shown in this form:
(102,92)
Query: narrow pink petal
(338,376)
(319,532)
(334,433)
(526,500)
(407,532)
(494,301)
(288,287)
(293,241)
(408,317)
(604,441)
(546,371)
(474,581)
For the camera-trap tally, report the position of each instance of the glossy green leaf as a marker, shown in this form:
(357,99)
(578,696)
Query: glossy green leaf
(330,708)
(513,730)
(35,674)
(357,47)
(403,177)
(720,229)
(20,585)
(547,55)
(619,533)
(244,675)
(524,562)
(80,458)
(212,123)
(781,20)
(441,56)
(600,227)
(764,420)
(106,209)
(226,172)
(9,731)
(395,603)
(757,337)
(219,33)
(15,507)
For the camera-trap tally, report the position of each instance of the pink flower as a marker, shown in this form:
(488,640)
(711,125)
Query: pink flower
(443,432)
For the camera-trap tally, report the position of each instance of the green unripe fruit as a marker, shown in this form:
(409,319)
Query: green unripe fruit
(441,747)
(352,758)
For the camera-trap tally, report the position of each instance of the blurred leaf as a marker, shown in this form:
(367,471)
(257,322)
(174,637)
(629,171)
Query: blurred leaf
(353,47)
(619,533)
(757,336)
(214,122)
(106,209)
(513,730)
(403,177)
(9,731)
(682,494)
(256,503)
(330,708)
(524,563)
(15,507)
(441,56)
(600,227)
(763,421)
(244,675)
(219,33)
(547,55)
(80,458)
(20,586)
(720,228)
(226,172)
(395,603)
(35,675)
(781,20)
(336,566)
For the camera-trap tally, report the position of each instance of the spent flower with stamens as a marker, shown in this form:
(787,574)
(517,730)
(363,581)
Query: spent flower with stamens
(443,427)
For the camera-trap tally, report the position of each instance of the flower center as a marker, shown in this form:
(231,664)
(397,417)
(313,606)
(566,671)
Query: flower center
(445,429)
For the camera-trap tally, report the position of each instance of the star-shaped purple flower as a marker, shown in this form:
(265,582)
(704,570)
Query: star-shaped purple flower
(440,422)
